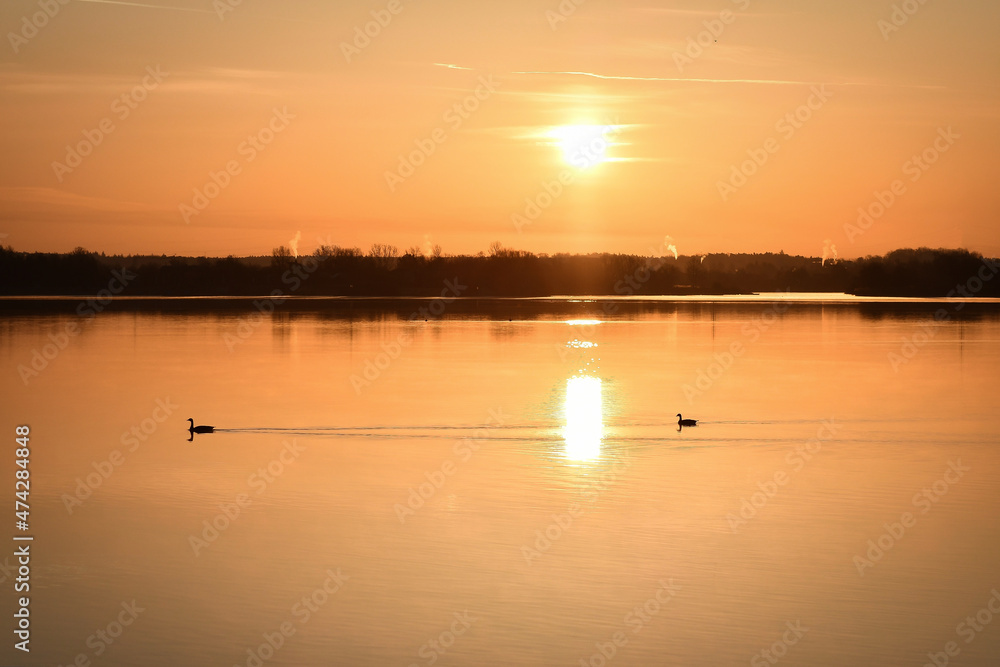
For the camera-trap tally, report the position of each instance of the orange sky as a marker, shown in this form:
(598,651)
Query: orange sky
(161,94)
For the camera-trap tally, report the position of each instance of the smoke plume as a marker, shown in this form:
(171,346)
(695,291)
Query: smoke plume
(829,252)
(668,241)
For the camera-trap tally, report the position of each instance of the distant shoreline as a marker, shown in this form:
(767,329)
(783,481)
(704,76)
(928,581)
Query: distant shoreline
(821,298)
(499,309)
(347,273)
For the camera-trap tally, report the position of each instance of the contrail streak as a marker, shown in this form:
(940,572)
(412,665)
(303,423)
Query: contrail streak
(450,66)
(773,82)
(678,79)
(137,4)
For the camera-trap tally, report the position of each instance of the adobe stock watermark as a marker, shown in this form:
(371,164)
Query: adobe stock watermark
(914,343)
(87,310)
(968,630)
(301,612)
(365,33)
(779,649)
(102,639)
(301,270)
(634,282)
(924,500)
(131,440)
(435,648)
(695,47)
(723,361)
(769,488)
(259,482)
(635,621)
(32,24)
(588,152)
(915,168)
(562,13)
(374,367)
(546,537)
(121,108)
(454,118)
(787,126)
(578,350)
(248,150)
(435,480)
(223,7)
(899,17)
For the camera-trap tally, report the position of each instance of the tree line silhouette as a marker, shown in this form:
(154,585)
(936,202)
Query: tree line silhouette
(500,272)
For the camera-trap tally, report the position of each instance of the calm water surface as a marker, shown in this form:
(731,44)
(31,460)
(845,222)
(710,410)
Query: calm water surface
(505,486)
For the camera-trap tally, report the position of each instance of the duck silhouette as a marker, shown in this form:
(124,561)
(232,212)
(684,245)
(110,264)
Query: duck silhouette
(192,429)
(686,422)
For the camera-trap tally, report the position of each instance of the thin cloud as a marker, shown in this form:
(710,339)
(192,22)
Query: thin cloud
(139,4)
(677,12)
(707,12)
(666,79)
(17,80)
(30,197)
(179,9)
(613,77)
(769,82)
(450,66)
(639,78)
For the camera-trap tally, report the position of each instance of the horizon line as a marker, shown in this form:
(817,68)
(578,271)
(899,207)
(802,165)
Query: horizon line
(485,254)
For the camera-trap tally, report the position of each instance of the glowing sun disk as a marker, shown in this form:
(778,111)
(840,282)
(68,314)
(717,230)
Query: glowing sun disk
(583,146)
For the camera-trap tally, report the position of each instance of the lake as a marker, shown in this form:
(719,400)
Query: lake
(504,482)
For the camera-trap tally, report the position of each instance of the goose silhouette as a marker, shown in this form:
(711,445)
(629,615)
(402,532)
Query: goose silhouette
(199,429)
(686,422)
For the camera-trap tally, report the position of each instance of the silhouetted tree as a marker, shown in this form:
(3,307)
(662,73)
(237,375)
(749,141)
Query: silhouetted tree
(385,256)
(281,257)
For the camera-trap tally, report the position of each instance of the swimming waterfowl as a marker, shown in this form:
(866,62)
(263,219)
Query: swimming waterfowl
(686,422)
(199,429)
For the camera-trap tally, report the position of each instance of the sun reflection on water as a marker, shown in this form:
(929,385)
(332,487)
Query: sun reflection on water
(584,428)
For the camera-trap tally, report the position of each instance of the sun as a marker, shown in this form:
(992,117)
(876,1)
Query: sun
(583,146)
